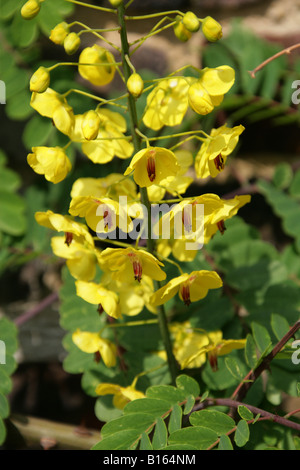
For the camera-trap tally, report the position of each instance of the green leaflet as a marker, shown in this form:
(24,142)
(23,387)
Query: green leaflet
(8,347)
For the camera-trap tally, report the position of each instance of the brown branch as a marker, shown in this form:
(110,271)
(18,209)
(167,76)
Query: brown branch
(50,299)
(254,409)
(288,50)
(243,388)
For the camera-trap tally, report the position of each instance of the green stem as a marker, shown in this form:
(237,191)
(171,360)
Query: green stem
(137,142)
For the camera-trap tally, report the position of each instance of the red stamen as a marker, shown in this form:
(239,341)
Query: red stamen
(100,309)
(137,266)
(185,294)
(68,238)
(107,218)
(97,356)
(186,220)
(213,360)
(137,270)
(219,162)
(221,226)
(151,167)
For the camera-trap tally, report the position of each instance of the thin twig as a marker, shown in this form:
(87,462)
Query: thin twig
(37,309)
(288,50)
(255,410)
(243,388)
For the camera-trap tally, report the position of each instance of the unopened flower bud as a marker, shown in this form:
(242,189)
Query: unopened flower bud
(71,43)
(180,30)
(40,80)
(115,3)
(191,22)
(30,9)
(90,125)
(59,33)
(96,65)
(135,85)
(211,29)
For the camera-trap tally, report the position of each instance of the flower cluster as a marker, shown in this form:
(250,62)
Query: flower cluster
(106,209)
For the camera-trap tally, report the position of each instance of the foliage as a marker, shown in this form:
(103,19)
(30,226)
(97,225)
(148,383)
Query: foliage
(8,365)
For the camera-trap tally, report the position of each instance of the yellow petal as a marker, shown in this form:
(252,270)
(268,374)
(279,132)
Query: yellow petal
(86,341)
(168,291)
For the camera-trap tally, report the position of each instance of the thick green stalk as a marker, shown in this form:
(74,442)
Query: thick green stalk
(137,142)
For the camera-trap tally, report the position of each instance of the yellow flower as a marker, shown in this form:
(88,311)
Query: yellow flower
(128,263)
(81,259)
(52,162)
(59,33)
(191,287)
(51,104)
(167,103)
(97,294)
(102,214)
(97,65)
(215,346)
(211,29)
(212,156)
(113,185)
(209,90)
(93,343)
(186,342)
(151,165)
(64,223)
(30,9)
(121,395)
(40,80)
(133,297)
(174,185)
(109,141)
